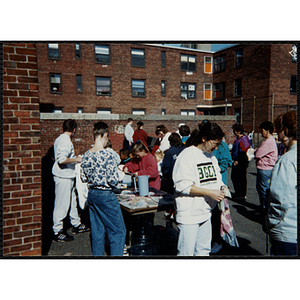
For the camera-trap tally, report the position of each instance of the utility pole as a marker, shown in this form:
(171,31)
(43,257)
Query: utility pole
(273,107)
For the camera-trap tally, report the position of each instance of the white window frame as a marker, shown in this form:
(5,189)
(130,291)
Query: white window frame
(138,111)
(188,112)
(104,111)
(204,89)
(211,64)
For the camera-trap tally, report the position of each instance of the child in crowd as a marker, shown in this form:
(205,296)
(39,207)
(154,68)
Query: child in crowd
(125,156)
(143,163)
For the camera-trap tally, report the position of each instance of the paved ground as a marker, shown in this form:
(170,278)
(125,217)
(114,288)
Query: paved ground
(247,225)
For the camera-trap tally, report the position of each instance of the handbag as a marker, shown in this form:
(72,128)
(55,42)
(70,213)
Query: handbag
(250,153)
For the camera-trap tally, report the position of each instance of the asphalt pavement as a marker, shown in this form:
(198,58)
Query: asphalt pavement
(247,223)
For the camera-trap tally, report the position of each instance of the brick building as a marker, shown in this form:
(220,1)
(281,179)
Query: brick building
(259,80)
(123,78)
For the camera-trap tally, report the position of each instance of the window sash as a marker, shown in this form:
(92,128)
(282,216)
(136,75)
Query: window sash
(208,64)
(102,54)
(220,64)
(103,86)
(163,88)
(237,87)
(188,62)
(219,91)
(238,58)
(53,51)
(77,51)
(138,88)
(137,58)
(163,59)
(207,91)
(55,83)
(79,83)
(293,87)
(188,90)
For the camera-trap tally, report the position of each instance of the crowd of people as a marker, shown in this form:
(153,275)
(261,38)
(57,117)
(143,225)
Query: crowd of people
(189,164)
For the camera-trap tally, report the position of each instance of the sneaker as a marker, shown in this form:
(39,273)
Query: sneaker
(62,237)
(216,248)
(80,228)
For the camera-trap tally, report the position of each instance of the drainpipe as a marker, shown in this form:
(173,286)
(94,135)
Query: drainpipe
(225,107)
(242,108)
(273,98)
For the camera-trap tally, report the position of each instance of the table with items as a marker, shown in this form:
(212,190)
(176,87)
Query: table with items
(138,212)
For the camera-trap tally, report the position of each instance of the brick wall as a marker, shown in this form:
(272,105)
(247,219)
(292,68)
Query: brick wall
(22,207)
(51,127)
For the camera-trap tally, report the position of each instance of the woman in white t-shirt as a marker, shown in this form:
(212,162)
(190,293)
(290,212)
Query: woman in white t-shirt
(197,190)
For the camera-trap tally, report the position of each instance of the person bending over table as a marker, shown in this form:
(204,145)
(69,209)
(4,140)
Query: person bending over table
(143,163)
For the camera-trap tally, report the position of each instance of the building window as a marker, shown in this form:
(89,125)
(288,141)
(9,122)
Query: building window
(104,111)
(137,58)
(293,84)
(163,88)
(188,63)
(163,112)
(186,112)
(219,90)
(57,110)
(79,83)
(103,86)
(188,90)
(80,110)
(77,51)
(237,87)
(53,51)
(238,58)
(102,54)
(208,64)
(163,59)
(138,88)
(207,91)
(138,111)
(55,84)
(220,64)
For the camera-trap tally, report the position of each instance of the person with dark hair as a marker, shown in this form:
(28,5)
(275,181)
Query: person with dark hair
(184,132)
(281,219)
(240,161)
(64,177)
(170,157)
(128,134)
(125,156)
(198,184)
(282,147)
(100,171)
(163,135)
(266,157)
(143,163)
(140,134)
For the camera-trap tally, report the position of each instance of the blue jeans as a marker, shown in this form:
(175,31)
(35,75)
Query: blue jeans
(194,239)
(263,186)
(283,248)
(106,216)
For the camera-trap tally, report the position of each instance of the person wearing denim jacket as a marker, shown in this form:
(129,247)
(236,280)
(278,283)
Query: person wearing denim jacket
(281,220)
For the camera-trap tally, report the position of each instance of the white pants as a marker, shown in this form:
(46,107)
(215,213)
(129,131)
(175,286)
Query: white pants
(65,200)
(194,239)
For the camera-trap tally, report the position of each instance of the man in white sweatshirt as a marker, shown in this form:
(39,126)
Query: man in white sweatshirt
(64,177)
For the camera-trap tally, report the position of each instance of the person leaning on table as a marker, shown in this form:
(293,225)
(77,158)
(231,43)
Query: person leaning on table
(100,171)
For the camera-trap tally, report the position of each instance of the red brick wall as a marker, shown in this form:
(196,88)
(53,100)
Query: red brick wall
(21,152)
(121,73)
(52,128)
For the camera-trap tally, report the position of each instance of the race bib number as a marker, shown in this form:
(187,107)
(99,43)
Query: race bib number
(207,173)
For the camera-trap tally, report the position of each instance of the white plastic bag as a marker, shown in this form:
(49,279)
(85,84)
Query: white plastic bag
(82,189)
(250,153)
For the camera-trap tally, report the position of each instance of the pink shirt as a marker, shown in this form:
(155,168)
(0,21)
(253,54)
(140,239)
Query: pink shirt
(266,154)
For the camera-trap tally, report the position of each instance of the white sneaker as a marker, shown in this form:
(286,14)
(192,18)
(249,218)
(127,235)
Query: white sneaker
(216,248)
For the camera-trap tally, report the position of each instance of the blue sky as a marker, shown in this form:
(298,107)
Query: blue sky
(214,47)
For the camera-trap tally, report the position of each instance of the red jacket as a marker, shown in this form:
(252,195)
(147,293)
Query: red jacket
(146,166)
(140,135)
